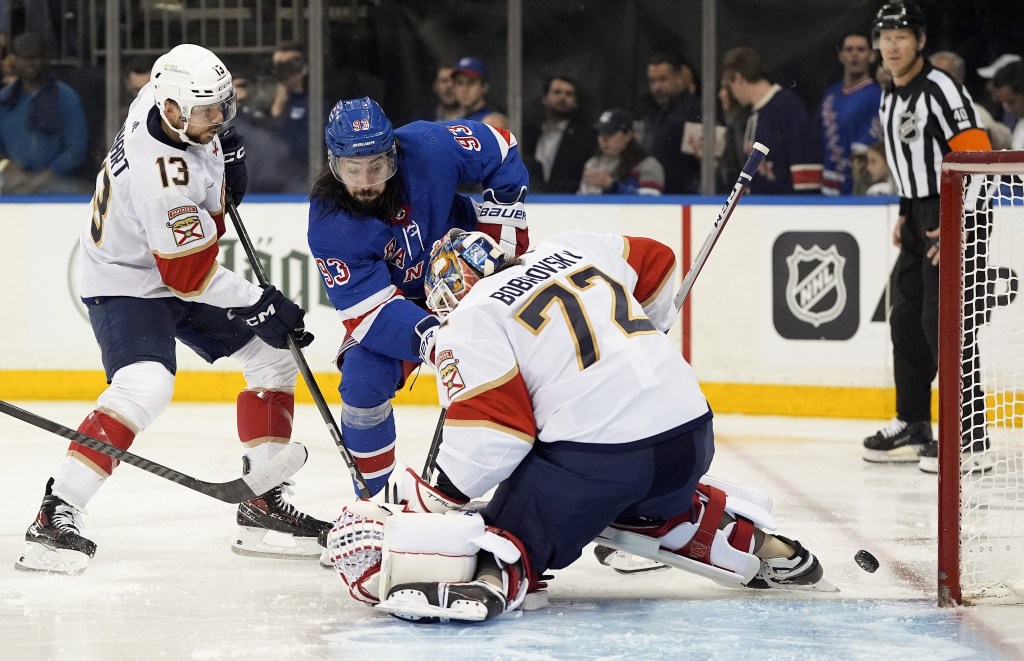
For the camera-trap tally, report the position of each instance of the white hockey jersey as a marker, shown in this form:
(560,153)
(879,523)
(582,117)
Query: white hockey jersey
(154,220)
(568,346)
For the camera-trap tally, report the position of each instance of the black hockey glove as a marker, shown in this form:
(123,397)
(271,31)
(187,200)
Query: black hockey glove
(236,176)
(274,318)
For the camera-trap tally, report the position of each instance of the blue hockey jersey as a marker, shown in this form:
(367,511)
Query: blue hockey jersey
(373,268)
(849,124)
(780,122)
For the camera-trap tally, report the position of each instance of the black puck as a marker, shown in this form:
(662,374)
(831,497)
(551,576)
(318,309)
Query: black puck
(867,562)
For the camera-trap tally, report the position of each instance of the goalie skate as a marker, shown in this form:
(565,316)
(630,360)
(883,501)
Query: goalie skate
(431,603)
(800,571)
(626,563)
(55,543)
(271,527)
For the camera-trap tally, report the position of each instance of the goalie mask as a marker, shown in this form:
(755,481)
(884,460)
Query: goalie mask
(456,263)
(360,143)
(199,83)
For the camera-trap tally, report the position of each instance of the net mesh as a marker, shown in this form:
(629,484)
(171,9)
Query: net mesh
(992,389)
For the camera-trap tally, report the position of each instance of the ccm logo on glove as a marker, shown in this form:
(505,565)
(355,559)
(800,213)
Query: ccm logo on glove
(274,319)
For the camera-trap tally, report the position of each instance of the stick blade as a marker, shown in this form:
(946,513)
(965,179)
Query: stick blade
(284,464)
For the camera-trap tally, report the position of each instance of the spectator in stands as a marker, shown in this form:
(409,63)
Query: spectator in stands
(444,92)
(879,177)
(989,72)
(1008,85)
(290,108)
(621,165)
(848,115)
(561,143)
(471,87)
(6,62)
(43,135)
(672,107)
(268,148)
(953,64)
(136,75)
(780,121)
(735,116)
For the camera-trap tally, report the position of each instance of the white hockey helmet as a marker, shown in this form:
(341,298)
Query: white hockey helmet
(198,82)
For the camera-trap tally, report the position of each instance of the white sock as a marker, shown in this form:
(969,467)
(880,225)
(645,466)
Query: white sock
(76,483)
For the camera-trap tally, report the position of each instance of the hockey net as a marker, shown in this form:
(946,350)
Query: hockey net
(981,379)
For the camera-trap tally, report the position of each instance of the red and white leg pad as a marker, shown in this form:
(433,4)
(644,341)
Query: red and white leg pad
(725,555)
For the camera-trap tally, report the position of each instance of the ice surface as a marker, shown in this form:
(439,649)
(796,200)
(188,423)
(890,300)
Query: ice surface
(164,583)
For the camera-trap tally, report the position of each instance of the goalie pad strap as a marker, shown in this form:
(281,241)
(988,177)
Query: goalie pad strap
(699,547)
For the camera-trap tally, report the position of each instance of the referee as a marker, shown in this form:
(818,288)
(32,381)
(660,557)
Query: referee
(924,114)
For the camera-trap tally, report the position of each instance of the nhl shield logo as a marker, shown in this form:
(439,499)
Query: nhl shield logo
(815,290)
(908,129)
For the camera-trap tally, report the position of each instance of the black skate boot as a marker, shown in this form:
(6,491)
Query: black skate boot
(55,543)
(898,442)
(800,571)
(271,527)
(430,603)
(975,456)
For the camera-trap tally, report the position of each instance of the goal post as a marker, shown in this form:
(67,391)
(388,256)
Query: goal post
(981,379)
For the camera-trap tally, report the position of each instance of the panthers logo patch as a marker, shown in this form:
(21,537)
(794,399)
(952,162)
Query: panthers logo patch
(448,368)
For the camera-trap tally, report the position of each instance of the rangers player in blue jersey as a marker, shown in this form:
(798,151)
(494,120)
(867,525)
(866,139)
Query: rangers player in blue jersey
(375,212)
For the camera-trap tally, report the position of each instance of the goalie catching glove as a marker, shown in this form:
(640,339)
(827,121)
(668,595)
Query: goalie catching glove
(274,319)
(505,222)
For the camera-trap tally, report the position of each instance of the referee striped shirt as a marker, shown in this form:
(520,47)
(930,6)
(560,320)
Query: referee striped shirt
(923,121)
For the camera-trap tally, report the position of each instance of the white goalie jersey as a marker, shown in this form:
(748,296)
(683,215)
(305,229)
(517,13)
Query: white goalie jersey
(155,216)
(570,345)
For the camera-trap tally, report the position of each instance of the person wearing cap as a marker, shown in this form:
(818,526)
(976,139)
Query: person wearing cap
(471,87)
(43,136)
(1008,87)
(620,166)
(988,73)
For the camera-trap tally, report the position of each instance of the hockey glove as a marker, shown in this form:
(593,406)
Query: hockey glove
(426,334)
(408,489)
(274,318)
(236,175)
(504,222)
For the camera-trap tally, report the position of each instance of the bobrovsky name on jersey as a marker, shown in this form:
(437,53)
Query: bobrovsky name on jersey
(542,270)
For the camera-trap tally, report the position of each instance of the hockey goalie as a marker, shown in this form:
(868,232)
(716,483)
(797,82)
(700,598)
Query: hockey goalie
(564,395)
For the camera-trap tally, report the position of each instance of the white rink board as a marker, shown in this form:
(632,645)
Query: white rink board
(733,337)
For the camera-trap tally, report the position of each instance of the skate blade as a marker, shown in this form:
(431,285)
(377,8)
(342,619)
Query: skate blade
(628,564)
(905,455)
(823,585)
(263,543)
(418,611)
(42,559)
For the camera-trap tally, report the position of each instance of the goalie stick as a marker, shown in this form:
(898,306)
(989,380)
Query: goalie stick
(757,155)
(300,360)
(260,480)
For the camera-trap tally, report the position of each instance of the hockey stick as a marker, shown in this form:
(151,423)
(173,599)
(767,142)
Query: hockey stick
(300,360)
(435,446)
(260,480)
(746,174)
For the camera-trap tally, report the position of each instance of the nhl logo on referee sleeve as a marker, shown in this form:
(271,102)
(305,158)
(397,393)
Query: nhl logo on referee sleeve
(815,283)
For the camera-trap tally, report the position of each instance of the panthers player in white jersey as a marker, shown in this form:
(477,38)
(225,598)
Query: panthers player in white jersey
(563,392)
(150,275)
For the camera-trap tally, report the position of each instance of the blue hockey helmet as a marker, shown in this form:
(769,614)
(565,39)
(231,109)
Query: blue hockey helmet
(456,263)
(360,143)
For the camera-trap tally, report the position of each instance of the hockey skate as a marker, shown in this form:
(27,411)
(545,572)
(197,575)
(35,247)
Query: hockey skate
(975,457)
(431,603)
(55,543)
(799,571)
(271,527)
(898,442)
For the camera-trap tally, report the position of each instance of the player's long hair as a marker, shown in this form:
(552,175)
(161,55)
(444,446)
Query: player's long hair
(335,197)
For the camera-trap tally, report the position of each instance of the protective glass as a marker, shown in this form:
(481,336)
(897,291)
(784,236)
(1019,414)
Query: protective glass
(213,114)
(364,171)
